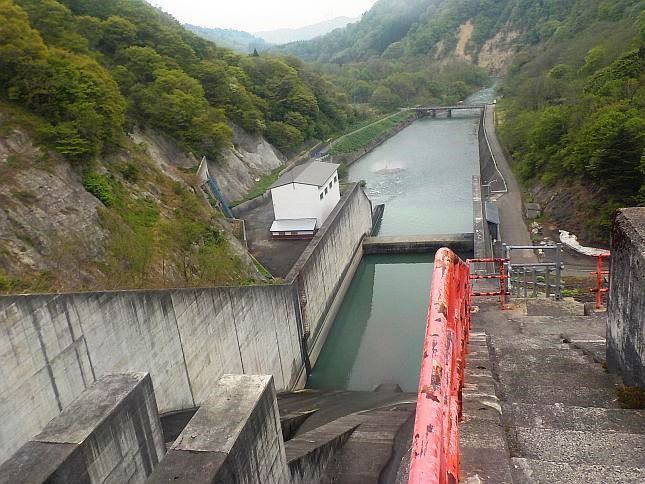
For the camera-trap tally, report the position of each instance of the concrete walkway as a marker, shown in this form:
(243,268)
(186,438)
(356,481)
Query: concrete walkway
(560,409)
(513,226)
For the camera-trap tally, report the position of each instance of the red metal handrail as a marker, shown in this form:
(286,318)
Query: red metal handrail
(435,447)
(502,293)
(599,290)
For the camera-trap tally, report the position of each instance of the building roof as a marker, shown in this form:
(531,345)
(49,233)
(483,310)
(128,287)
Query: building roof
(312,173)
(293,225)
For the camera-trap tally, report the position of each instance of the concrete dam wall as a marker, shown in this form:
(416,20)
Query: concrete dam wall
(53,346)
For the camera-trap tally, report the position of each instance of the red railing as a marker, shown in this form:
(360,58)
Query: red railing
(599,290)
(502,293)
(435,447)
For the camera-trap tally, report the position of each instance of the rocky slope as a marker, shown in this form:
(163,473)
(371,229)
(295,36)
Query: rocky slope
(55,235)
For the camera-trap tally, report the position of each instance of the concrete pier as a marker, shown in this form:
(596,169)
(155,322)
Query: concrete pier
(235,436)
(110,433)
(417,244)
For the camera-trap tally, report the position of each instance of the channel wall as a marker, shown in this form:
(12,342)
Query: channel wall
(53,346)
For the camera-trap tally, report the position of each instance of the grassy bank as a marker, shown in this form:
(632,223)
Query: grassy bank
(360,138)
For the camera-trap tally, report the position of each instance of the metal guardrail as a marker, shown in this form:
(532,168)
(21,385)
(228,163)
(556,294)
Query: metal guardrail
(435,446)
(534,278)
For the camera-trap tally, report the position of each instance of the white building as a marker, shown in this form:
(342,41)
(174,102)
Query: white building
(303,198)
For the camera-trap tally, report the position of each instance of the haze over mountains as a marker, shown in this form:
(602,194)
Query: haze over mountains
(308,32)
(245,42)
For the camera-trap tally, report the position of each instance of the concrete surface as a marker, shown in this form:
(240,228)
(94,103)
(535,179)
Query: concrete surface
(278,256)
(417,244)
(560,409)
(110,433)
(626,308)
(325,265)
(52,347)
(235,436)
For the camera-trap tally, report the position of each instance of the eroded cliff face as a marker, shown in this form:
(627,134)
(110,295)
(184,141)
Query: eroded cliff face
(48,222)
(495,55)
(243,164)
(56,236)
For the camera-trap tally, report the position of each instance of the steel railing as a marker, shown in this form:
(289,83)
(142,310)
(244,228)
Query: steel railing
(435,446)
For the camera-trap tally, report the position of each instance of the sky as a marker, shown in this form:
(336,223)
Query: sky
(258,15)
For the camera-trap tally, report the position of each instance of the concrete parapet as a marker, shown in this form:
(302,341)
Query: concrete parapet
(110,433)
(626,308)
(417,244)
(235,436)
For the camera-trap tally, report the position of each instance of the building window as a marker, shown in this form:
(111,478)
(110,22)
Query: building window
(321,195)
(330,185)
(325,190)
(335,178)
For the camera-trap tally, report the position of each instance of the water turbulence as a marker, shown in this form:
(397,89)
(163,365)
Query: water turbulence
(424,177)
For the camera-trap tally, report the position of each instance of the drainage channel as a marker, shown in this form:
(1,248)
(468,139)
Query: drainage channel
(424,176)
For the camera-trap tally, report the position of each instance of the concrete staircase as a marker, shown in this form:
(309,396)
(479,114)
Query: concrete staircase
(560,409)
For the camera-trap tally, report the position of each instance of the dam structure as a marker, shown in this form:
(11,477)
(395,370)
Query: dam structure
(315,379)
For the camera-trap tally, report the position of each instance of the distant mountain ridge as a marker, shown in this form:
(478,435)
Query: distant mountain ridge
(237,40)
(308,32)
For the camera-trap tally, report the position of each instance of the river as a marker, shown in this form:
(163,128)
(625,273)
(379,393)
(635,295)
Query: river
(424,176)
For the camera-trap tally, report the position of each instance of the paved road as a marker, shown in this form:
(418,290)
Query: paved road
(513,226)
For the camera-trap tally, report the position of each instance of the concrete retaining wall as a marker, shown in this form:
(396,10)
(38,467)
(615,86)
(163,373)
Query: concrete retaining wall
(324,265)
(626,308)
(52,347)
(111,433)
(418,244)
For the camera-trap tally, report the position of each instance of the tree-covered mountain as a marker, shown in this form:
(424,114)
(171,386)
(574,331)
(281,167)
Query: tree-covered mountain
(573,115)
(284,36)
(105,109)
(94,68)
(237,40)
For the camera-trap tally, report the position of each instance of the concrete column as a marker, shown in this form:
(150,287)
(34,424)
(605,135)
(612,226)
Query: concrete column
(110,433)
(235,436)
(626,307)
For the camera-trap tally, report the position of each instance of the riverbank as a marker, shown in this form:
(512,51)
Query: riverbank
(355,145)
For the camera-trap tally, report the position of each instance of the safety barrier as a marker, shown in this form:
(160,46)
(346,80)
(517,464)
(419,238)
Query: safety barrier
(599,290)
(502,293)
(435,447)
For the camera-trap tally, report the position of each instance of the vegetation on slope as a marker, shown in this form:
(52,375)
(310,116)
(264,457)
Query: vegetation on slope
(93,69)
(75,76)
(573,112)
(363,136)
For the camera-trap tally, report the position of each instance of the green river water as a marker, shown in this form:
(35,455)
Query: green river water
(424,177)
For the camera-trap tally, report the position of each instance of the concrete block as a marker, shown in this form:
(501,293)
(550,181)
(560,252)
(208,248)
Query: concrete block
(235,436)
(626,307)
(110,433)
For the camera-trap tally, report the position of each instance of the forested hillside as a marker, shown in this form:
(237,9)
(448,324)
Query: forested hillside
(75,77)
(573,116)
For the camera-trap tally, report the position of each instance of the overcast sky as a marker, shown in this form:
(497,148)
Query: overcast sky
(256,15)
